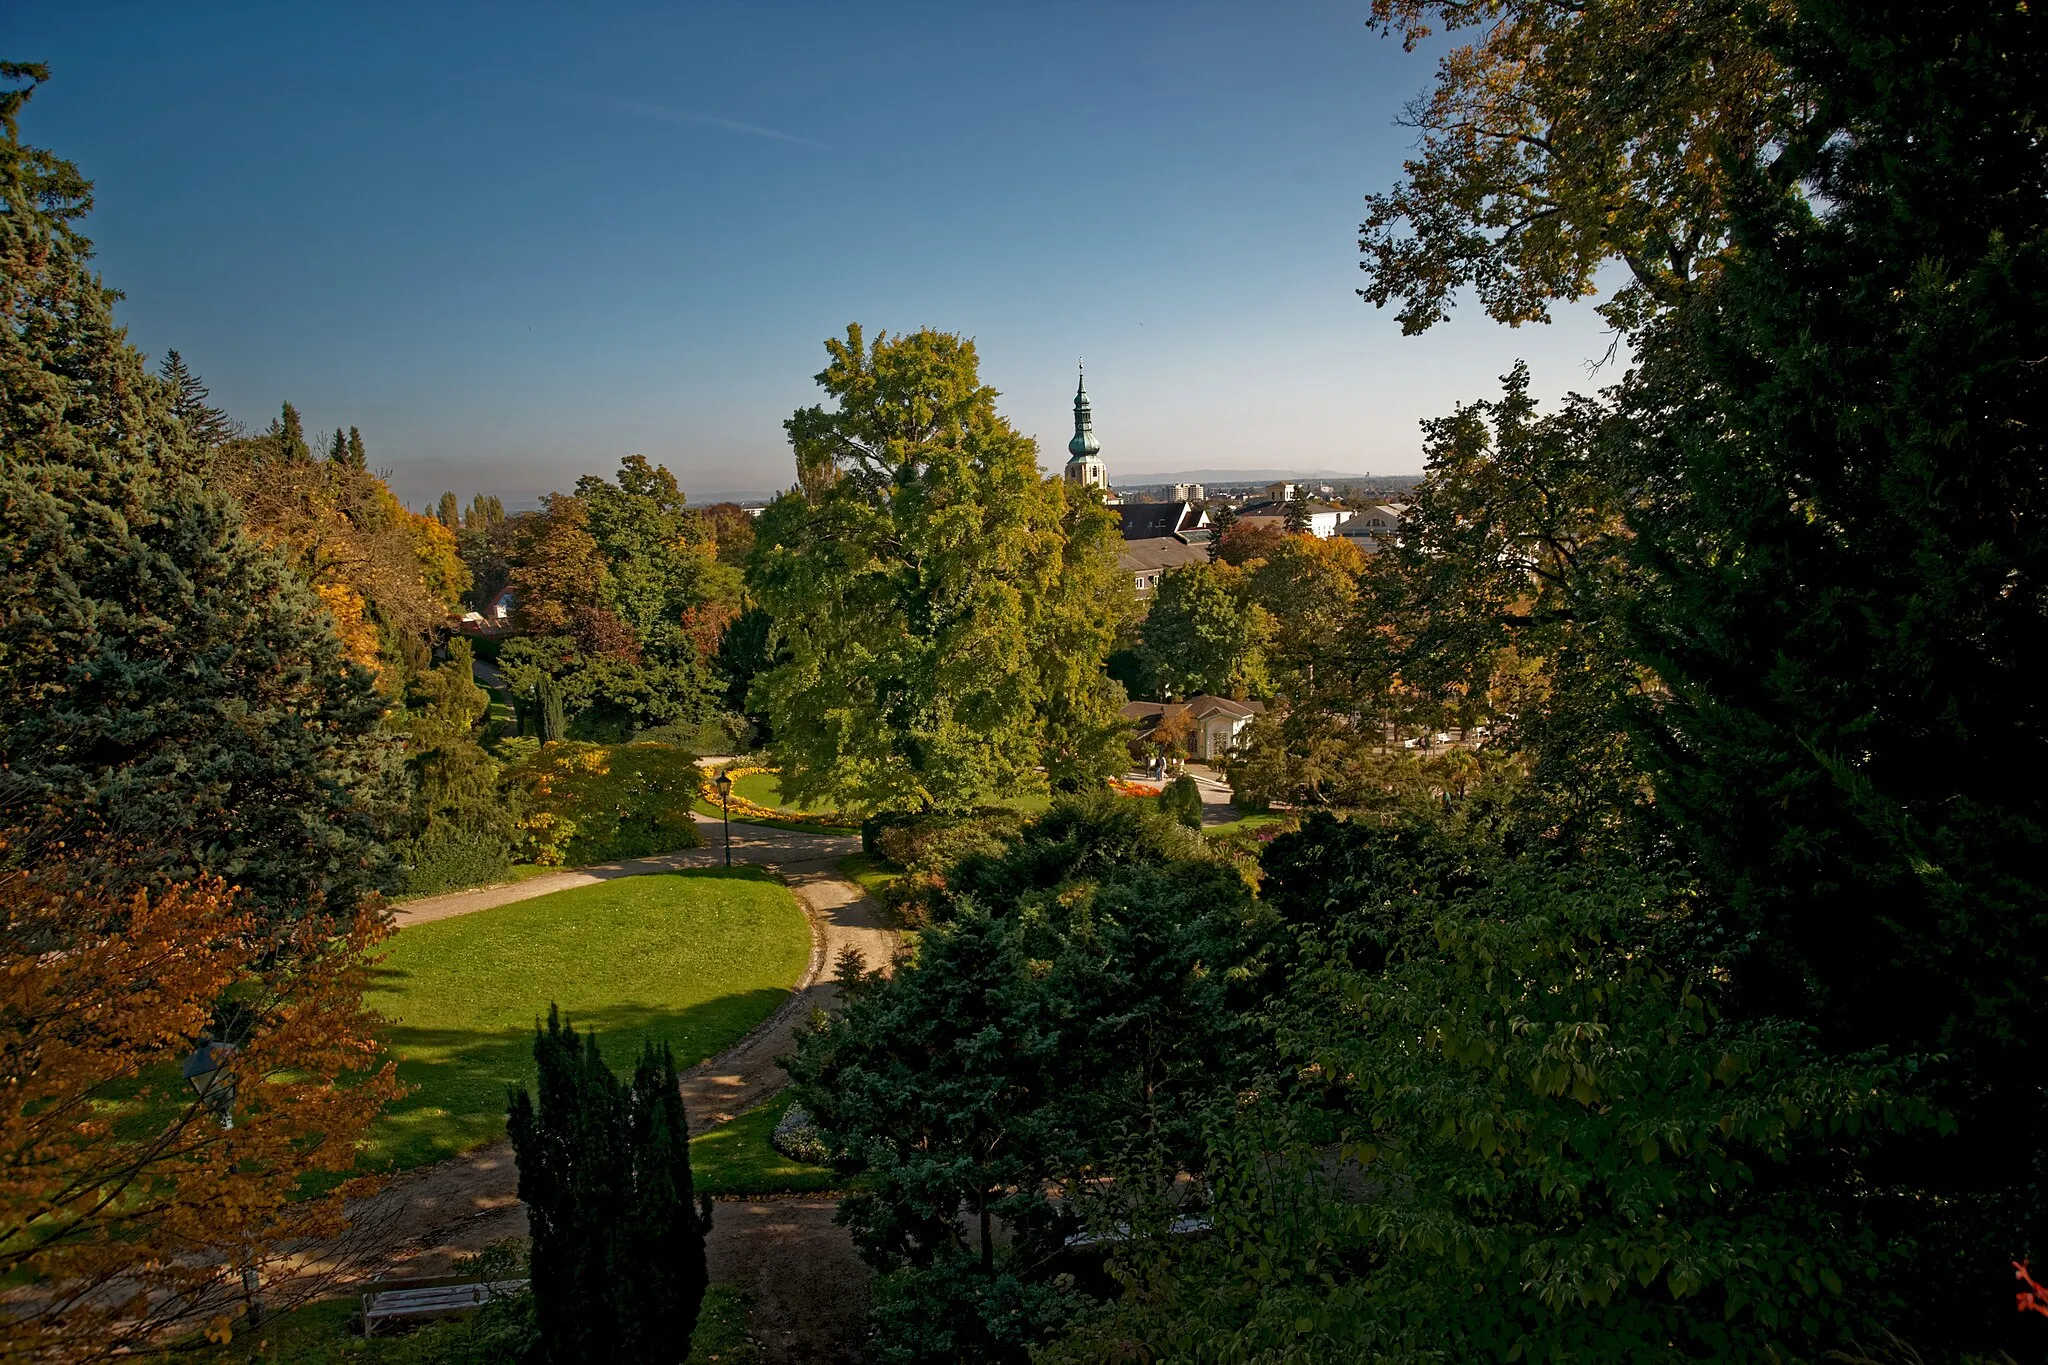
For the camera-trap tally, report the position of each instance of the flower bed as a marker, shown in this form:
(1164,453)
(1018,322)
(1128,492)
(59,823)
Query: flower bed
(1125,787)
(743,809)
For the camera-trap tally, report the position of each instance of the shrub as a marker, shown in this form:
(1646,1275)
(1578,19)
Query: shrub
(928,847)
(594,803)
(1181,800)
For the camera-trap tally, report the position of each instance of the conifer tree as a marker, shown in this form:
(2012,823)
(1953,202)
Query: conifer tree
(161,674)
(356,457)
(548,705)
(207,425)
(287,436)
(337,449)
(604,1171)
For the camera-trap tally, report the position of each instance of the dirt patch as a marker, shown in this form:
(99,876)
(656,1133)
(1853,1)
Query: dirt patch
(810,1288)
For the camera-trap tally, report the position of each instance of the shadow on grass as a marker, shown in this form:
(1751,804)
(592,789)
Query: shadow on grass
(461,1078)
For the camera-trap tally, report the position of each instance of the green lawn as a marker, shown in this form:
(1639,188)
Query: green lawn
(694,958)
(763,789)
(735,1158)
(318,1334)
(1245,825)
(874,876)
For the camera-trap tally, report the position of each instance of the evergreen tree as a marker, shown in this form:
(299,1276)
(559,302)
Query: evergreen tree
(1843,446)
(547,698)
(448,511)
(458,829)
(1296,519)
(604,1171)
(337,449)
(287,436)
(160,673)
(1222,516)
(207,425)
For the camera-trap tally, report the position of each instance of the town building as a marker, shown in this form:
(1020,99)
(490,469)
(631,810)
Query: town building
(1272,510)
(1187,521)
(1145,560)
(1207,726)
(1375,527)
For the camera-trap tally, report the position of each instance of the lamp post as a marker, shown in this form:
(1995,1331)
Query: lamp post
(724,785)
(206,1071)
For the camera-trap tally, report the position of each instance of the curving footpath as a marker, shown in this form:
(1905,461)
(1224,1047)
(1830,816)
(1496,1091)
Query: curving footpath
(808,1285)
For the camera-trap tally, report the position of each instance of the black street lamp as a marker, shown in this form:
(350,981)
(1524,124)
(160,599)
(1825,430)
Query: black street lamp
(724,785)
(206,1072)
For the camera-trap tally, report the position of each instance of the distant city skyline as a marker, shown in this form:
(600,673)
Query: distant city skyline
(514,244)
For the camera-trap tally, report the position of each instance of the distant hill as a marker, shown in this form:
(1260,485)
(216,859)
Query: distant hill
(1221,476)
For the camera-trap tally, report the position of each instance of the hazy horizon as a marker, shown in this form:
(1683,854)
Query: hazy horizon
(514,245)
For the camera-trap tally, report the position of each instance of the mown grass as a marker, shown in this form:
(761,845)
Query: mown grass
(736,1158)
(1248,824)
(319,1334)
(874,876)
(694,959)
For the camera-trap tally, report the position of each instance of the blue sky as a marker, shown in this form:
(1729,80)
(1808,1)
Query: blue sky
(514,243)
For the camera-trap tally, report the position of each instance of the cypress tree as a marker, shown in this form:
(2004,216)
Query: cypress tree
(548,704)
(604,1170)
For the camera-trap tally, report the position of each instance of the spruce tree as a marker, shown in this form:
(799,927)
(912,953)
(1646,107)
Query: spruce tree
(287,436)
(161,675)
(356,457)
(206,425)
(604,1171)
(337,449)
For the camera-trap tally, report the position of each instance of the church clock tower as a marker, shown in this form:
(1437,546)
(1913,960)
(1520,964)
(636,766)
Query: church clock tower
(1084,467)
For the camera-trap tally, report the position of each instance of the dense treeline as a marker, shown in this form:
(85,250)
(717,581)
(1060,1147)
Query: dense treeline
(1694,1012)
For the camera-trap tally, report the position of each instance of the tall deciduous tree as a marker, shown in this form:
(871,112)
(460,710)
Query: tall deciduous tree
(944,610)
(159,672)
(1205,634)
(1564,137)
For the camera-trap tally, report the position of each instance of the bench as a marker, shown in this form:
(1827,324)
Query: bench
(418,1300)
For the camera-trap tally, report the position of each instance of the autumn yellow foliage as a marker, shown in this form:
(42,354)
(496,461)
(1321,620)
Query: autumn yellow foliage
(127,1206)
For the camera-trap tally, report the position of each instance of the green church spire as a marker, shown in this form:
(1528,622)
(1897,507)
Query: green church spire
(1084,443)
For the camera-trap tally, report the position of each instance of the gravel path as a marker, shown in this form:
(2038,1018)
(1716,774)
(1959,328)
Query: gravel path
(810,1288)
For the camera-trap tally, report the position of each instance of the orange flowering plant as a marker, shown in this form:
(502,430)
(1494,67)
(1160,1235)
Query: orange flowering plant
(130,1204)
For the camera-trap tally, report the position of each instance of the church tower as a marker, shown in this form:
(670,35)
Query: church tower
(1085,468)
